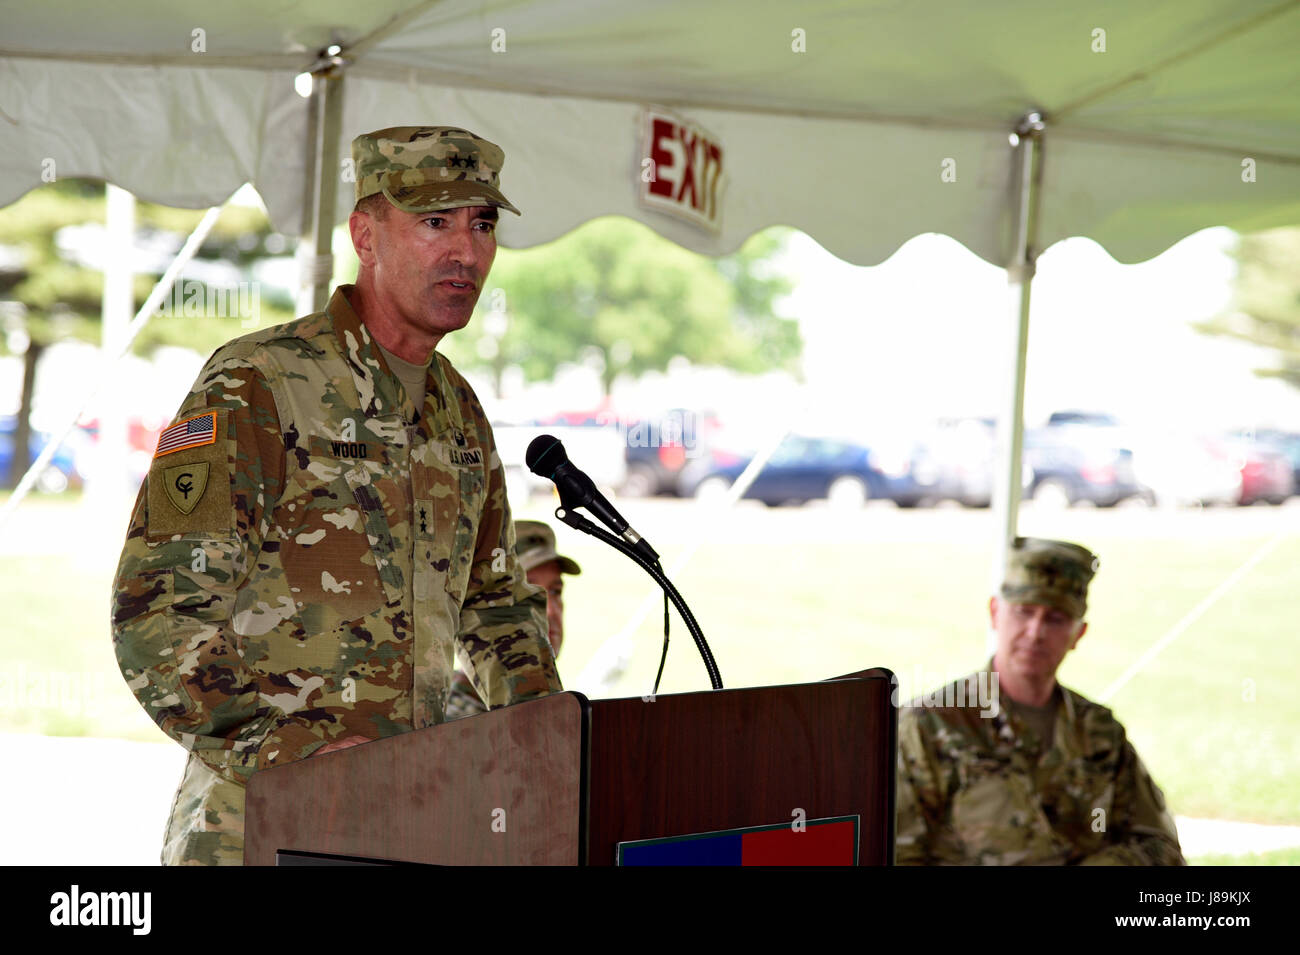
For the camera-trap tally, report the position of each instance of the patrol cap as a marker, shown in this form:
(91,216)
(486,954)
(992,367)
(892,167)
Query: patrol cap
(426,168)
(535,545)
(1050,572)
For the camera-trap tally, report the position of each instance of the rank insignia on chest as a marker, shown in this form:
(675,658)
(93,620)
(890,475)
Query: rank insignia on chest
(424,519)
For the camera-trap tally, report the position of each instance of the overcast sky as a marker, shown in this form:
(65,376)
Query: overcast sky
(932,323)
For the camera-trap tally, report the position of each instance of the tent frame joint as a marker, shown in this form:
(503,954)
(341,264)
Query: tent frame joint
(1031,124)
(331,60)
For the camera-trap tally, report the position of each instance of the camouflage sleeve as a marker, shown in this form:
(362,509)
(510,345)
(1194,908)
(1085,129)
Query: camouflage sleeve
(1141,828)
(198,522)
(503,618)
(917,796)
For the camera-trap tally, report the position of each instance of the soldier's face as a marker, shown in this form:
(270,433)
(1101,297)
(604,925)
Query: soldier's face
(548,577)
(1033,639)
(430,266)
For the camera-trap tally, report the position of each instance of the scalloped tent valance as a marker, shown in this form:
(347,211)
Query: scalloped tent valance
(1160,118)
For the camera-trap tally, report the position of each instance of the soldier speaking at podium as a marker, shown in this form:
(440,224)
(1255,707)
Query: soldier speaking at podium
(323,523)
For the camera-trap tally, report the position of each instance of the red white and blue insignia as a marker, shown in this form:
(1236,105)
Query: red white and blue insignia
(190,433)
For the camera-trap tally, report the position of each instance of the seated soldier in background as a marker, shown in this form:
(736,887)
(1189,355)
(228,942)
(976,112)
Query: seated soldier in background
(1042,776)
(535,547)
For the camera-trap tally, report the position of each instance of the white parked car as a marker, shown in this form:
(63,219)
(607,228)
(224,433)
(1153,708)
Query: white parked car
(599,451)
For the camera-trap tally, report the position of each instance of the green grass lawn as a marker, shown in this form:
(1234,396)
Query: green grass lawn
(792,595)
(1280,857)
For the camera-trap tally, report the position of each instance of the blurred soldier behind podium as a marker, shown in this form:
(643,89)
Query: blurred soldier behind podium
(545,567)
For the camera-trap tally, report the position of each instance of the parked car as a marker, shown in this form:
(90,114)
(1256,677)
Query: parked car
(1073,463)
(142,440)
(962,450)
(1096,419)
(659,449)
(60,474)
(1184,469)
(598,451)
(1266,472)
(1288,443)
(803,468)
(912,470)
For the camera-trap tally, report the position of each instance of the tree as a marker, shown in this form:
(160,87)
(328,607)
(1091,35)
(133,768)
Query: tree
(1266,307)
(57,298)
(616,289)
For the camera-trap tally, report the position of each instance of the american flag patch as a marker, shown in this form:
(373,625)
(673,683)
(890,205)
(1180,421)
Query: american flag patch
(190,433)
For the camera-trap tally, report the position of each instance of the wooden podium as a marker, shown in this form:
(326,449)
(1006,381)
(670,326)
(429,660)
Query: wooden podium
(564,780)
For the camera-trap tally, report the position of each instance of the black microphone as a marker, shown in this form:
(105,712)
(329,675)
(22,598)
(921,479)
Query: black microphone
(546,458)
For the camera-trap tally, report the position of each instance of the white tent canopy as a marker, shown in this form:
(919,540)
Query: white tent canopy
(862,124)
(1143,143)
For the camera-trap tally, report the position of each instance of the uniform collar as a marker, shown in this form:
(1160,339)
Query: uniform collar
(1009,729)
(1067,705)
(379,391)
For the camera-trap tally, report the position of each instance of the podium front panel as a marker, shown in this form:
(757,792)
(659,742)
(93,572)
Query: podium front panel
(722,760)
(501,788)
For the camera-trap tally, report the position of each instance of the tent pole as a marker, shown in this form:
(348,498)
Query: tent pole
(1027,158)
(325,121)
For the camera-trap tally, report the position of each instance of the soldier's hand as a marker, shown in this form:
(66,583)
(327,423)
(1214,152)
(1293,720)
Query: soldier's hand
(341,744)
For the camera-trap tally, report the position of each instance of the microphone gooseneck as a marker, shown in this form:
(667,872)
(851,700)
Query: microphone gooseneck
(655,570)
(547,458)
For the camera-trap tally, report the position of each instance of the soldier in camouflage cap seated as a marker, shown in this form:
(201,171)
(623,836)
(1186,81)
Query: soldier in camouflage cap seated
(545,567)
(322,529)
(1032,773)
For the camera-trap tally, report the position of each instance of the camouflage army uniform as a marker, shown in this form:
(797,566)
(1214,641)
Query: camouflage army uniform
(535,547)
(974,790)
(334,553)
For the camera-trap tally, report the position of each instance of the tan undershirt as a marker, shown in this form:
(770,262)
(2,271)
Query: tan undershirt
(1041,719)
(411,375)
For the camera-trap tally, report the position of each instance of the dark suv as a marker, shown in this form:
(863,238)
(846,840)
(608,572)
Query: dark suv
(1070,463)
(660,448)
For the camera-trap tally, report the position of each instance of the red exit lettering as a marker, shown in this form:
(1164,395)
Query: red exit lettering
(687,167)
